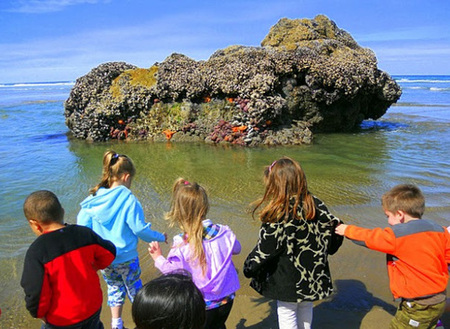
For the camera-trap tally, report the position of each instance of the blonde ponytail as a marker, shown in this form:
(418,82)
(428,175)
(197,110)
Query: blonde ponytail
(188,209)
(114,166)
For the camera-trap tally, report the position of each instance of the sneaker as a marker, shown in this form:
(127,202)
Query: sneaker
(439,325)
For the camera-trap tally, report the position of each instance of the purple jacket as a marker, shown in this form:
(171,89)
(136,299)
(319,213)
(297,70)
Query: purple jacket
(220,279)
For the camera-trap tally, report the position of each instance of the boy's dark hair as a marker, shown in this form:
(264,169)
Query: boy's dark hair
(171,301)
(404,197)
(44,207)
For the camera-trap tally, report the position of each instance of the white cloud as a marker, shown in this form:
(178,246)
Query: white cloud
(48,6)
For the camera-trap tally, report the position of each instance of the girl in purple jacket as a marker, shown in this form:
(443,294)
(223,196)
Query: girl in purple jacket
(204,249)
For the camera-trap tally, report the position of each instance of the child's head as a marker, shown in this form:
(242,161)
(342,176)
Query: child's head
(285,179)
(171,301)
(43,207)
(189,204)
(406,198)
(188,209)
(114,167)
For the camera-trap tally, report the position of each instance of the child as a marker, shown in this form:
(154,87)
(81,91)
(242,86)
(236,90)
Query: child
(204,249)
(114,213)
(418,251)
(289,262)
(60,271)
(171,301)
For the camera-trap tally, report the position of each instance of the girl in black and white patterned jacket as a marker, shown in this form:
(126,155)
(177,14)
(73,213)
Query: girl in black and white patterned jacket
(290,260)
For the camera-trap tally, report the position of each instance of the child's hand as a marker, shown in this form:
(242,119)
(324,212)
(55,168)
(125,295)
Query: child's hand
(340,229)
(154,249)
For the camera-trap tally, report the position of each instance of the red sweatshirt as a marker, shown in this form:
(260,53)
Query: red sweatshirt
(60,277)
(418,254)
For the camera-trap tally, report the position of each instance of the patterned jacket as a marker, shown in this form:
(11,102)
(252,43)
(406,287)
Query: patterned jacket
(290,260)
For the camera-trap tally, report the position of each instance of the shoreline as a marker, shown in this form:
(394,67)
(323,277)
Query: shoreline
(361,297)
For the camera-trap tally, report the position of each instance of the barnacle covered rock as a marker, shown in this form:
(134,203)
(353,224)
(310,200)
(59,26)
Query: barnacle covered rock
(308,76)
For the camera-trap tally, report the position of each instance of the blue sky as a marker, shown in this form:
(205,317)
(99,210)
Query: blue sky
(54,40)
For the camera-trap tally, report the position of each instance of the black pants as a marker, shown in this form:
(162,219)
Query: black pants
(92,322)
(216,317)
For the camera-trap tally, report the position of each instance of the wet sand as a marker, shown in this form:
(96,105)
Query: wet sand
(361,299)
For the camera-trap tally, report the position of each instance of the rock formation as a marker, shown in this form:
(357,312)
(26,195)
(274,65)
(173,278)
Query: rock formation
(307,76)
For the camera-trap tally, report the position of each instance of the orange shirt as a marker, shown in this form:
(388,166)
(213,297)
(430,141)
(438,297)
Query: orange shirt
(418,253)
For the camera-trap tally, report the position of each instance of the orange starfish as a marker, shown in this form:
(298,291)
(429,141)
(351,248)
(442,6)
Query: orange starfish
(240,128)
(168,133)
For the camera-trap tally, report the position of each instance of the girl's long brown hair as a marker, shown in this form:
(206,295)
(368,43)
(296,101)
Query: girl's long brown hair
(188,209)
(114,166)
(284,180)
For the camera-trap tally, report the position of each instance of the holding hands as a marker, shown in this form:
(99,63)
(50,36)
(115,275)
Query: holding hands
(154,249)
(340,229)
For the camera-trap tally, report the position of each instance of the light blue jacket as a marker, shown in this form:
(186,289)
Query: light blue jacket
(116,215)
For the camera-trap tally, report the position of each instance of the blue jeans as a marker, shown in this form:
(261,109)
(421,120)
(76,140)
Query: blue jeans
(90,323)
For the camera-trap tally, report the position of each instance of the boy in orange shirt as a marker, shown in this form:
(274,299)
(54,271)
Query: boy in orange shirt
(418,251)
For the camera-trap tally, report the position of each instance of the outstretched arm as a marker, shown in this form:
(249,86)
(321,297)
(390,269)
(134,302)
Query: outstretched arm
(136,222)
(378,239)
(173,261)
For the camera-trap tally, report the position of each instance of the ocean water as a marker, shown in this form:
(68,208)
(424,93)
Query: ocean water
(349,172)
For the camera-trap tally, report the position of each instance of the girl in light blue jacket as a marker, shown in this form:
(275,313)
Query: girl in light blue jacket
(114,213)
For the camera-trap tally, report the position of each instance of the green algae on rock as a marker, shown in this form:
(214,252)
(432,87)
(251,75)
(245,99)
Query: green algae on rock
(308,76)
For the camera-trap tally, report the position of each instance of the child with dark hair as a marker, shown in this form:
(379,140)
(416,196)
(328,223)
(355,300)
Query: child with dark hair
(60,271)
(171,301)
(114,213)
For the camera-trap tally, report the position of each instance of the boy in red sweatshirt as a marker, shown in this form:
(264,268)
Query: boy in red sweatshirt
(60,271)
(418,251)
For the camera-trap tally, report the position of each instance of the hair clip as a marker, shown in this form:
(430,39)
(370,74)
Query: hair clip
(271,166)
(114,159)
(186,182)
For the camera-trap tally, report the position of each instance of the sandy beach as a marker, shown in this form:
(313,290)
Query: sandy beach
(361,299)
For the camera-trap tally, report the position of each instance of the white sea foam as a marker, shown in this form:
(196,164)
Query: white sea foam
(37,84)
(417,88)
(405,80)
(439,89)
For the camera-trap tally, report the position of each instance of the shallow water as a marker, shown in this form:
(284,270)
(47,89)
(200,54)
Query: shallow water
(349,172)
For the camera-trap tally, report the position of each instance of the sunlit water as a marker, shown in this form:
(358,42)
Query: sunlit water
(349,172)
